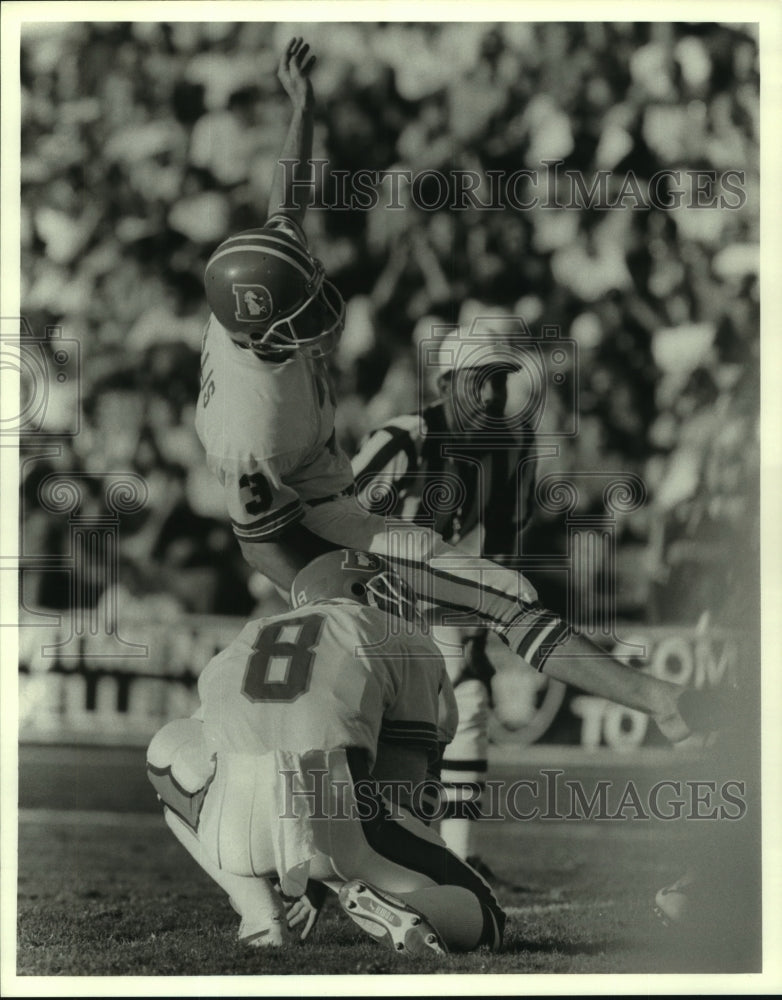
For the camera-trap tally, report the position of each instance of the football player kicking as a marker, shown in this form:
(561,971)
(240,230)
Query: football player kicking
(265,415)
(279,773)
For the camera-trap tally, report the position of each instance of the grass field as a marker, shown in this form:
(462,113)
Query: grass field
(109,893)
(104,895)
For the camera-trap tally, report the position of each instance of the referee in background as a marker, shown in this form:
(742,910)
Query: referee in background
(463,468)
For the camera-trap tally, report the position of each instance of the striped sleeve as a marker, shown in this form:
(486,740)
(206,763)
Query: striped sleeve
(266,527)
(412,714)
(414,734)
(260,505)
(382,461)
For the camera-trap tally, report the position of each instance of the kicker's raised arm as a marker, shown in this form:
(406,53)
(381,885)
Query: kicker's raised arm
(292,184)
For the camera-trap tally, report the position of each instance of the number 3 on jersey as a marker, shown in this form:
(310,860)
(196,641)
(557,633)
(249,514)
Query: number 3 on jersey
(280,666)
(255,493)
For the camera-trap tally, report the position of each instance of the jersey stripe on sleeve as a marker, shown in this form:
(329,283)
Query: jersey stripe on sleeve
(270,524)
(419,734)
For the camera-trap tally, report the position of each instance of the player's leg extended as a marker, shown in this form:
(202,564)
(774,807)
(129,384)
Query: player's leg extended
(394,853)
(438,573)
(579,662)
(460,583)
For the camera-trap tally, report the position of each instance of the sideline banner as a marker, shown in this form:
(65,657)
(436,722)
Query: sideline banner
(91,691)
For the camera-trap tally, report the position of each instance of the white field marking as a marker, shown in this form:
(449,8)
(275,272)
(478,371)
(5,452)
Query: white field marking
(89,817)
(536,908)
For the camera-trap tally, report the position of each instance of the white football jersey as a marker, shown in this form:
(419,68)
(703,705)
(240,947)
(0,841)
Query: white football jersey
(323,677)
(268,431)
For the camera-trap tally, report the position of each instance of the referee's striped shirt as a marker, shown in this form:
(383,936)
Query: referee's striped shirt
(416,469)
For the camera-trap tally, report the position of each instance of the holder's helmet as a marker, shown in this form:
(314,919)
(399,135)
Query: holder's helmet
(358,576)
(271,294)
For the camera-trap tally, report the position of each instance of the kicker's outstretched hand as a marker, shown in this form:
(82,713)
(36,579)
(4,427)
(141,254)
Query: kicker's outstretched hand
(294,72)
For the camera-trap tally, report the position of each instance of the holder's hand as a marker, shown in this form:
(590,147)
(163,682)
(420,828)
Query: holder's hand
(304,911)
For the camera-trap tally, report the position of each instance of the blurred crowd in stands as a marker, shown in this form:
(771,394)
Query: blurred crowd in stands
(143,145)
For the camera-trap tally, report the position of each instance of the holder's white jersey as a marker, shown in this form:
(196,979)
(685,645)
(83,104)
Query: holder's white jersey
(322,677)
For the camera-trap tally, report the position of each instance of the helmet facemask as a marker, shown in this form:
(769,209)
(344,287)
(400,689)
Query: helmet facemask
(390,593)
(358,576)
(294,331)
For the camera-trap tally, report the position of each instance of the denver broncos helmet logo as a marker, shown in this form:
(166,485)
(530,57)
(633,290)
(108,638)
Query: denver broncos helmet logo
(253,302)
